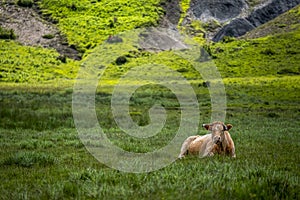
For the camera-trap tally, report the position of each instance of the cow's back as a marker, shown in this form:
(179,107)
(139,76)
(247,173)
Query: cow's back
(198,146)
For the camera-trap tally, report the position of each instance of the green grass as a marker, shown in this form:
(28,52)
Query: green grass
(24,64)
(88,23)
(266,165)
(267,56)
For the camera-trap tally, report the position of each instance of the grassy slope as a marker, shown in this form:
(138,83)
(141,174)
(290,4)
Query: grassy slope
(21,64)
(42,158)
(88,23)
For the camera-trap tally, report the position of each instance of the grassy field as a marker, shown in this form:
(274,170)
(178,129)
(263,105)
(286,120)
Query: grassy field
(42,157)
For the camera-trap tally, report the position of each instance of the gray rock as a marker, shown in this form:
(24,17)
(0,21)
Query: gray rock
(240,26)
(220,10)
(172,13)
(161,39)
(236,28)
(270,11)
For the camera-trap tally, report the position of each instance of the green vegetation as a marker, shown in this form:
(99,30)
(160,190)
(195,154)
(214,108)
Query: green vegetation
(266,56)
(25,3)
(184,4)
(43,141)
(41,156)
(21,64)
(48,36)
(88,23)
(7,34)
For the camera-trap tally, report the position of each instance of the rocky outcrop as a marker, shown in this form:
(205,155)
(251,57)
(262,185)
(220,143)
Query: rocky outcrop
(236,28)
(172,13)
(32,30)
(270,11)
(240,26)
(220,10)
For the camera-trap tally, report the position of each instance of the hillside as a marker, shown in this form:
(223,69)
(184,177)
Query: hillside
(85,27)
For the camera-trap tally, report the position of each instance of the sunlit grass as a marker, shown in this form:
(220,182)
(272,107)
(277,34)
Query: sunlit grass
(24,64)
(89,23)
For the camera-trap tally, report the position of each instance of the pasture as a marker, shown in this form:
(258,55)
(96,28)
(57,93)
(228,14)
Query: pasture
(43,158)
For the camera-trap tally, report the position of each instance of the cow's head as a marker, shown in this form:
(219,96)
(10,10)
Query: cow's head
(217,130)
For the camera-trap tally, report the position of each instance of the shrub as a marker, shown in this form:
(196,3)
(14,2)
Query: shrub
(62,58)
(7,34)
(121,60)
(227,39)
(288,72)
(268,52)
(25,3)
(48,36)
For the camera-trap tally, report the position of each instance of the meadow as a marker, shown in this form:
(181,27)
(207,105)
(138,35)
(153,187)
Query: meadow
(42,157)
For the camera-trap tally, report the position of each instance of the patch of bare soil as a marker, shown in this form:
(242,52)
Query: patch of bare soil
(32,30)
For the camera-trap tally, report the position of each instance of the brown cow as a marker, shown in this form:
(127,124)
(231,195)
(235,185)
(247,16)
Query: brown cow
(218,141)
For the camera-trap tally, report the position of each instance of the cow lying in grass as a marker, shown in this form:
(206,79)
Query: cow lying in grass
(218,141)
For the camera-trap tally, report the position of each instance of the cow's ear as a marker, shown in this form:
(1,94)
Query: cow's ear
(206,126)
(229,126)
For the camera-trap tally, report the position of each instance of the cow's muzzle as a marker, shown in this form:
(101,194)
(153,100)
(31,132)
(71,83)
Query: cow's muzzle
(217,139)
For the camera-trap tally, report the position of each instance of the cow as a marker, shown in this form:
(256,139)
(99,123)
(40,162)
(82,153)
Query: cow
(218,141)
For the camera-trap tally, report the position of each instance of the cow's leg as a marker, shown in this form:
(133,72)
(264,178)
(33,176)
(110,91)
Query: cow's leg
(208,151)
(230,146)
(185,146)
(205,153)
(233,152)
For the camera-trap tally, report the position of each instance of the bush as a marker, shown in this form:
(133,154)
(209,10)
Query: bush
(268,52)
(121,60)
(48,36)
(228,39)
(288,72)
(7,34)
(25,3)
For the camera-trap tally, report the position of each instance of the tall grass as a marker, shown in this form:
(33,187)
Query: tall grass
(47,159)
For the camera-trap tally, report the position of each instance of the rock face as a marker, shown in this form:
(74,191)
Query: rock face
(236,28)
(270,11)
(172,13)
(221,10)
(240,26)
(235,17)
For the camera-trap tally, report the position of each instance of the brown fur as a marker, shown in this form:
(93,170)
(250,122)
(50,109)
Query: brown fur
(218,141)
